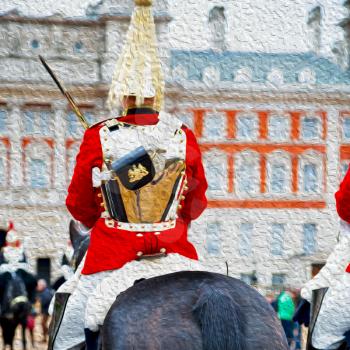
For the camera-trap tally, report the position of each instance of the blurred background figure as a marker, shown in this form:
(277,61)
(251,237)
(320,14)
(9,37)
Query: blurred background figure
(45,295)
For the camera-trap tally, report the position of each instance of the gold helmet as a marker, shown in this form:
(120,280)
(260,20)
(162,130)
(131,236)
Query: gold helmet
(138,71)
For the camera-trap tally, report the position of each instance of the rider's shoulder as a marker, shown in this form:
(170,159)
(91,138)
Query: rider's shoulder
(94,128)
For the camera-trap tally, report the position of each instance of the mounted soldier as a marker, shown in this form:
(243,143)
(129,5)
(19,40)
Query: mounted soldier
(329,290)
(138,183)
(17,287)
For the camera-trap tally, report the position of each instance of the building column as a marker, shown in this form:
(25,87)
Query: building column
(60,125)
(332,157)
(16,151)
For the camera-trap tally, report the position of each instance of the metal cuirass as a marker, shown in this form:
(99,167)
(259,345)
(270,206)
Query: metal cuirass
(143,172)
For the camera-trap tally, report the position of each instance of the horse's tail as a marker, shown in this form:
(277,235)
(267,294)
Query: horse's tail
(219,319)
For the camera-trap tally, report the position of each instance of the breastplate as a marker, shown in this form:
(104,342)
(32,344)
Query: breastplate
(146,170)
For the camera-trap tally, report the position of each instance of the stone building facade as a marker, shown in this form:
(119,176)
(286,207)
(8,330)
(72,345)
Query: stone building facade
(274,129)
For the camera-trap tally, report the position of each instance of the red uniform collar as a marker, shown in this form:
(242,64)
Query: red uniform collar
(140,116)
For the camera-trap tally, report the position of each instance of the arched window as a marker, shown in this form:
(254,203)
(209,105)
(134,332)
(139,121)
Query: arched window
(279,128)
(247,127)
(247,174)
(215,163)
(218,27)
(278,173)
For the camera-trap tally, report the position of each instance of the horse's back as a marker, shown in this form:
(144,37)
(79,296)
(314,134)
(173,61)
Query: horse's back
(160,313)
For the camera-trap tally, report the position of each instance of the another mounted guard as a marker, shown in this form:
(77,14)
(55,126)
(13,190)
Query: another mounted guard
(138,183)
(329,290)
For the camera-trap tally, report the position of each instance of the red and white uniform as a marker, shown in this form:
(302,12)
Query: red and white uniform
(334,316)
(111,248)
(111,264)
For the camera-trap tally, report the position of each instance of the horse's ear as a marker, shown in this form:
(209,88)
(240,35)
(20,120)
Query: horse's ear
(76,234)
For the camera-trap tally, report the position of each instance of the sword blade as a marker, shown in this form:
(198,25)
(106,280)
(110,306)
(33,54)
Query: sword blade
(65,93)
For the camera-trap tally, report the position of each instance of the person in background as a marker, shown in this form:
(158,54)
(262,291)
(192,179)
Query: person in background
(45,295)
(285,312)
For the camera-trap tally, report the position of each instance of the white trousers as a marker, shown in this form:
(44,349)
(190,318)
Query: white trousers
(334,317)
(94,294)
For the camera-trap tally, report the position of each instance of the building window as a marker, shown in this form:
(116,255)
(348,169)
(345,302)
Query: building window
(249,278)
(74,128)
(247,176)
(245,238)
(3,120)
(78,47)
(43,269)
(211,75)
(277,233)
(29,122)
(213,238)
(218,27)
(2,173)
(38,174)
(247,128)
(344,169)
(243,75)
(45,119)
(34,44)
(278,178)
(310,128)
(279,128)
(310,178)
(346,129)
(37,122)
(214,127)
(278,280)
(309,234)
(216,171)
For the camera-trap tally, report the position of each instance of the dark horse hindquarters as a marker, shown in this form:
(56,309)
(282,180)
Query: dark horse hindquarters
(192,311)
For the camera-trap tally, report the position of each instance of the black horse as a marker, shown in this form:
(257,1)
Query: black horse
(188,310)
(17,292)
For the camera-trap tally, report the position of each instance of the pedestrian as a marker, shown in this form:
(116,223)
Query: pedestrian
(45,295)
(285,312)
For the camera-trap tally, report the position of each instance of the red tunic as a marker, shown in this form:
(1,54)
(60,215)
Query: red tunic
(342,198)
(111,248)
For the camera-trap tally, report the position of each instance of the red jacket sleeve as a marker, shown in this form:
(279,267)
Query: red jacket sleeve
(195,200)
(342,198)
(82,201)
